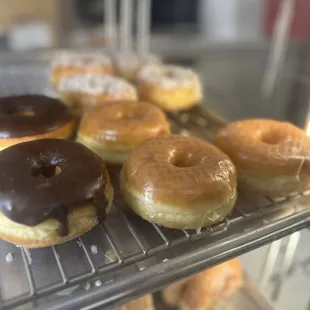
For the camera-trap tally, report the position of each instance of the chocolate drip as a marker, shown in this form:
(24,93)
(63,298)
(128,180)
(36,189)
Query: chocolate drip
(61,215)
(31,192)
(101,202)
(30,115)
(114,172)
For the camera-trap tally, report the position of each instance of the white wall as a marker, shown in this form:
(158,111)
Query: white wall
(231,20)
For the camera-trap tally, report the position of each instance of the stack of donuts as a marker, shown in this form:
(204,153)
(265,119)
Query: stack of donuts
(53,188)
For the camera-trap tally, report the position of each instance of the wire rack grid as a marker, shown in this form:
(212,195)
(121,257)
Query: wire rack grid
(125,256)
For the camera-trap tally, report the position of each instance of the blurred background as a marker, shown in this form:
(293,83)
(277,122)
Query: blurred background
(228,40)
(252,63)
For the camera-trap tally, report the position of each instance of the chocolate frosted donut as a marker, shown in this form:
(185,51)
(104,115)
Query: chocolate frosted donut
(32,117)
(51,191)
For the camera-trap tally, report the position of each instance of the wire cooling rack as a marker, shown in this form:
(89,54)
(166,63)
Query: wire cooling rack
(125,256)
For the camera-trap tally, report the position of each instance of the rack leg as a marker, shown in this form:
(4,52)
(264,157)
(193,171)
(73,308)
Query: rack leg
(126,14)
(144,27)
(110,23)
(278,47)
(287,263)
(270,262)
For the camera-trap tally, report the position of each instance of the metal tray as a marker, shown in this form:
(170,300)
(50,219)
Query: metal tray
(125,256)
(247,298)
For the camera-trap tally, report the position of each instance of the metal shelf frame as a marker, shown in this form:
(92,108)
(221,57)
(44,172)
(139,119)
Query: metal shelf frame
(126,257)
(167,262)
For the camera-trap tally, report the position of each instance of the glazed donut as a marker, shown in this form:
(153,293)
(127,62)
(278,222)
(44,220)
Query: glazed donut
(113,130)
(143,303)
(172,294)
(51,191)
(31,117)
(82,92)
(170,87)
(179,182)
(271,157)
(72,63)
(207,288)
(127,64)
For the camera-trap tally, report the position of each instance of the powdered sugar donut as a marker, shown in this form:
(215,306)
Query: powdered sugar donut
(171,87)
(69,63)
(84,91)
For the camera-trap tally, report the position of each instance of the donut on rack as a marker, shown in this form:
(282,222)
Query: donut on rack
(204,290)
(170,87)
(82,92)
(179,182)
(127,64)
(32,117)
(72,63)
(51,191)
(143,303)
(114,129)
(272,157)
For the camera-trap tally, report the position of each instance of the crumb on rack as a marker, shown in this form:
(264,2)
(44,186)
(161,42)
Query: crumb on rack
(87,286)
(94,249)
(198,230)
(111,256)
(98,283)
(9,258)
(109,281)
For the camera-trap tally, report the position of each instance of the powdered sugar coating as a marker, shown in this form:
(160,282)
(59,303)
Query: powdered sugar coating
(81,59)
(133,61)
(96,84)
(168,76)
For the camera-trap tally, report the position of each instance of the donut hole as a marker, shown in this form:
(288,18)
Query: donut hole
(183,160)
(46,171)
(25,112)
(271,138)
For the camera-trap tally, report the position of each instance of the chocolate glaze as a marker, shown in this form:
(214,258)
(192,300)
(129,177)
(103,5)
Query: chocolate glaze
(31,193)
(49,114)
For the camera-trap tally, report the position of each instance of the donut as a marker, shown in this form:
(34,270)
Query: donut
(172,294)
(145,302)
(271,157)
(51,191)
(207,288)
(127,64)
(31,117)
(179,182)
(72,63)
(114,129)
(82,92)
(170,87)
